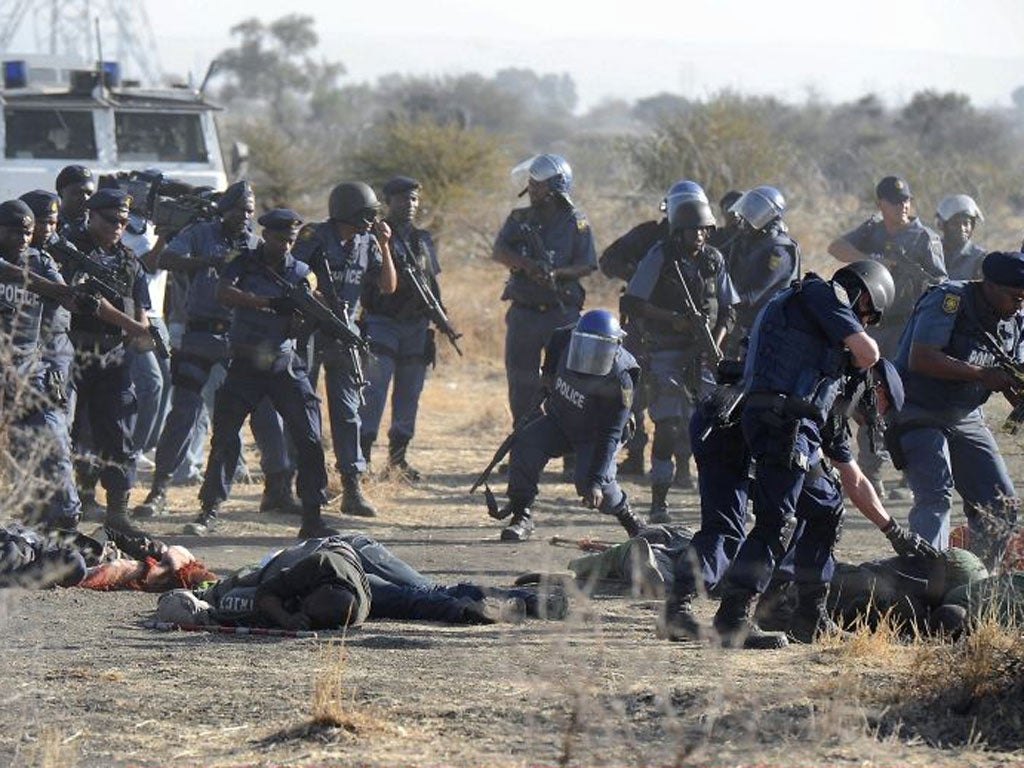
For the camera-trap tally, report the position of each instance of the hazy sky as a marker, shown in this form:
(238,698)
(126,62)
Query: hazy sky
(634,49)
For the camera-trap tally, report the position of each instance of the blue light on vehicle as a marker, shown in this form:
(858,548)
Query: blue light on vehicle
(112,74)
(15,74)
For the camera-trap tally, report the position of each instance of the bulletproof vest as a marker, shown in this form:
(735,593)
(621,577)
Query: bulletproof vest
(207,238)
(21,314)
(966,263)
(702,275)
(404,303)
(558,237)
(56,319)
(907,254)
(787,359)
(577,399)
(347,262)
(753,258)
(967,343)
(261,336)
(122,261)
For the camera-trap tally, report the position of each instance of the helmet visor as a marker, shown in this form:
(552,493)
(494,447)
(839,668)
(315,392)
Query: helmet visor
(591,354)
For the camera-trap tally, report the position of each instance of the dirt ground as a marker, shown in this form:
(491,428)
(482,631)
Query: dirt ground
(85,684)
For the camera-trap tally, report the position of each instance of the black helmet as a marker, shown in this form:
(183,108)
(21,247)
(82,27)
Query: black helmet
(352,202)
(690,214)
(870,276)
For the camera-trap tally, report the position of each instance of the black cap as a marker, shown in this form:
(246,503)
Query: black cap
(893,189)
(110,197)
(42,202)
(72,174)
(400,185)
(233,195)
(280,219)
(14,213)
(1004,268)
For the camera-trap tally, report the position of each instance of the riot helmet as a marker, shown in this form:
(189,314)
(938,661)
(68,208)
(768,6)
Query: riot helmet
(353,202)
(594,342)
(690,214)
(760,206)
(553,169)
(683,190)
(951,205)
(872,277)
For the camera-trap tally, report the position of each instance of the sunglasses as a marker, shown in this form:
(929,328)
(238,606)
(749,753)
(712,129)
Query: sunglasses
(113,219)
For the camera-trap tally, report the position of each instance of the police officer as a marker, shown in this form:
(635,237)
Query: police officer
(103,388)
(348,253)
(620,260)
(723,236)
(654,299)
(58,355)
(75,184)
(592,380)
(957,216)
(913,254)
(800,347)
(201,251)
(762,257)
(948,360)
(397,324)
(264,363)
(548,247)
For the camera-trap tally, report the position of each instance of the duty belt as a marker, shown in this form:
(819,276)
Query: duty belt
(208,326)
(534,307)
(784,404)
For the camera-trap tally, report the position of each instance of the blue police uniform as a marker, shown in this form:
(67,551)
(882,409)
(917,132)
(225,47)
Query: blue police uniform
(584,414)
(940,437)
(678,372)
(792,375)
(39,429)
(760,264)
(352,266)
(401,341)
(203,346)
(264,364)
(965,264)
(103,389)
(537,310)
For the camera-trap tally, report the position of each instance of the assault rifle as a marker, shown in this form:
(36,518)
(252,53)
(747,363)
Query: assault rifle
(506,445)
(325,320)
(864,394)
(100,280)
(430,303)
(1006,363)
(698,320)
(545,260)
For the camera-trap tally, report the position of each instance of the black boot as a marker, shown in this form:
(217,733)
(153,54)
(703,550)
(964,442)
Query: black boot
(683,479)
(116,518)
(313,525)
(679,622)
(775,607)
(520,528)
(632,465)
(627,518)
(735,627)
(278,496)
(92,510)
(810,619)
(155,504)
(207,522)
(397,465)
(659,504)
(352,500)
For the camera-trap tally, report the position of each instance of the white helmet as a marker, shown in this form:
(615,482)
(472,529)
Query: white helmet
(954,204)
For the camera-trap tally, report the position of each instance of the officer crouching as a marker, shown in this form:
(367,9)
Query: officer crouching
(591,380)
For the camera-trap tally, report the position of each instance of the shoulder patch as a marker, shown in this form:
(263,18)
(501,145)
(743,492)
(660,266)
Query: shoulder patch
(627,396)
(950,303)
(581,224)
(841,294)
(774,261)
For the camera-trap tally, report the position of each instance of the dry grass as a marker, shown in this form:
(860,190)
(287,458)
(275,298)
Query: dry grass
(334,704)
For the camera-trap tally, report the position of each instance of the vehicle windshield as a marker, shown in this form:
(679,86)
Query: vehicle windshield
(49,133)
(168,138)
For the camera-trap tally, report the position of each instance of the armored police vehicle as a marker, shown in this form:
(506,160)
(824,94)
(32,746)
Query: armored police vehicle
(58,112)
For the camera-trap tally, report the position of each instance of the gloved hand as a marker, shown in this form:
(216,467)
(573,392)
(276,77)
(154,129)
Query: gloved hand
(908,544)
(282,305)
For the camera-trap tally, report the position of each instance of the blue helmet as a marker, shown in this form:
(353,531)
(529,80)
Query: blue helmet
(760,206)
(594,343)
(682,191)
